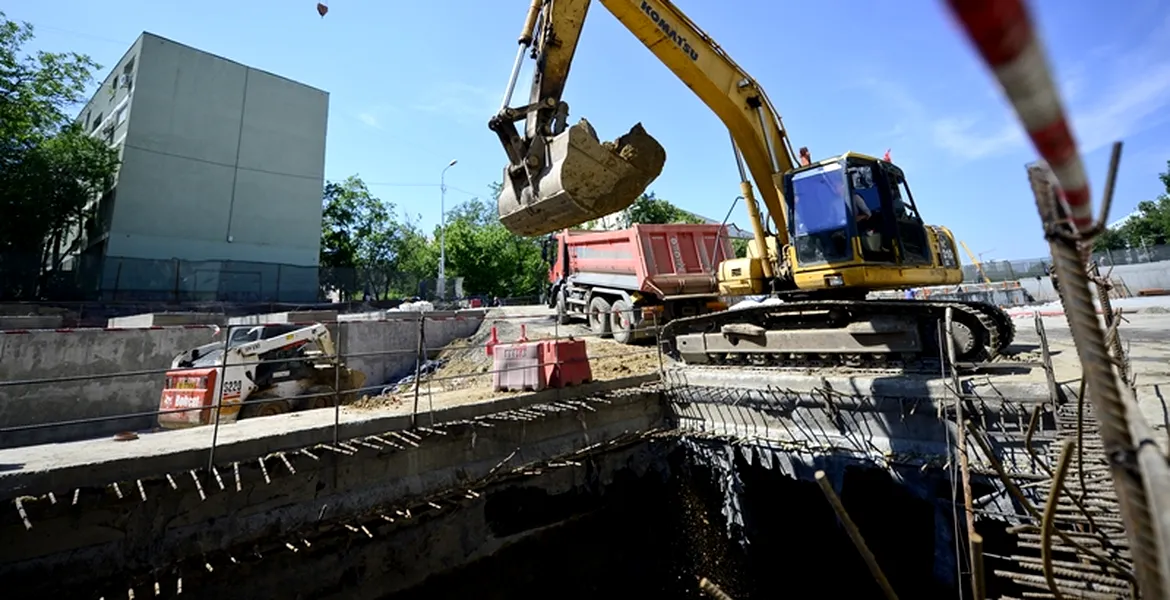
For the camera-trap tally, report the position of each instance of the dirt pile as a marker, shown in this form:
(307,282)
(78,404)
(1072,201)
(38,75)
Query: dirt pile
(461,371)
(467,366)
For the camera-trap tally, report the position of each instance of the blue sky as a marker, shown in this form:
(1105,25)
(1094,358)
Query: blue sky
(412,85)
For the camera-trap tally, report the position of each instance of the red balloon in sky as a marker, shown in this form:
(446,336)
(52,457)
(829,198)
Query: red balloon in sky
(322,9)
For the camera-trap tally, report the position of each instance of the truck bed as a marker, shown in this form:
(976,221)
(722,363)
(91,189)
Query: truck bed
(666,260)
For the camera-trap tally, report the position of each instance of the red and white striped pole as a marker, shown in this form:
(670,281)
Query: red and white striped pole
(1003,33)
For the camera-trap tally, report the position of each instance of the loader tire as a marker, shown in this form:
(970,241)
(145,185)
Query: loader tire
(599,316)
(622,322)
(320,401)
(269,406)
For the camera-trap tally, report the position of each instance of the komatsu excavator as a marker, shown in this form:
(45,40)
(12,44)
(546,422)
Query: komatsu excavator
(840,227)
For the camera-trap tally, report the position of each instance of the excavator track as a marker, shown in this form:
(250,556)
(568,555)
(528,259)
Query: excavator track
(900,335)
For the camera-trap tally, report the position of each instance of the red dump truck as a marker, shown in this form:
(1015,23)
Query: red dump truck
(624,282)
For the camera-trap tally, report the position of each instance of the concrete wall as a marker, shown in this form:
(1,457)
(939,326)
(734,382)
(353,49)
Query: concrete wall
(1136,277)
(398,339)
(72,550)
(390,347)
(94,352)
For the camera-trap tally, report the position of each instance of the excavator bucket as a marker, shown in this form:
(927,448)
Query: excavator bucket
(585,179)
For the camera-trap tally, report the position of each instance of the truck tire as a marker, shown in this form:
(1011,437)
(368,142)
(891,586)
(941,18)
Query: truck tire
(622,322)
(599,316)
(562,309)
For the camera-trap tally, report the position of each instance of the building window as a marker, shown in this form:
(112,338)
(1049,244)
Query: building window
(127,78)
(121,116)
(96,122)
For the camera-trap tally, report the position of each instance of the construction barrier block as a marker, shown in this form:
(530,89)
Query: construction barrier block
(564,363)
(516,367)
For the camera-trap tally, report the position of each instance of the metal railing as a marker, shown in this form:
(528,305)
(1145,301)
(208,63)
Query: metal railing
(419,382)
(125,279)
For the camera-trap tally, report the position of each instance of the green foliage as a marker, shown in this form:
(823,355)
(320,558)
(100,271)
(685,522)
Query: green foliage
(649,209)
(1149,227)
(491,260)
(49,168)
(740,246)
(416,255)
(365,249)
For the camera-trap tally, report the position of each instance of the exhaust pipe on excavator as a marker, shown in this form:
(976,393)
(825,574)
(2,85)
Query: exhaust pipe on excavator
(579,179)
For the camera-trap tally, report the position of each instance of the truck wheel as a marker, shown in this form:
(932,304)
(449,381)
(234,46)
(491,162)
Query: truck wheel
(599,316)
(562,309)
(622,322)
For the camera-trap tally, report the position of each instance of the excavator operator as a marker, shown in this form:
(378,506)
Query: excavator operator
(868,220)
(861,211)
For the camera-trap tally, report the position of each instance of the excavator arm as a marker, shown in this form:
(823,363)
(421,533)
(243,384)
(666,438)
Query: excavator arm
(553,172)
(560,176)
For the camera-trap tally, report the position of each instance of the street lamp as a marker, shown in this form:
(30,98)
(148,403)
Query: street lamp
(443,229)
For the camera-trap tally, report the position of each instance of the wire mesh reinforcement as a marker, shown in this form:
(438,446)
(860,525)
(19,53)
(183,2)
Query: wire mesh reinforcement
(1095,560)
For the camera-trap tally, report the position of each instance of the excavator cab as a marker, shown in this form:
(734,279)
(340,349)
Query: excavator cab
(854,208)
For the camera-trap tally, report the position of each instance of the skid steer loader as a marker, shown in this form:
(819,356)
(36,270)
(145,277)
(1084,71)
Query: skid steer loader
(265,370)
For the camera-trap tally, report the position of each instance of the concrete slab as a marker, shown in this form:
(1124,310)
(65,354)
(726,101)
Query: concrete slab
(301,316)
(113,538)
(31,321)
(36,470)
(1026,387)
(167,319)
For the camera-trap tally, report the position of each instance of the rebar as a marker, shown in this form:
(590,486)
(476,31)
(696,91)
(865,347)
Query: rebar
(964,466)
(855,535)
(1046,525)
(711,589)
(1141,482)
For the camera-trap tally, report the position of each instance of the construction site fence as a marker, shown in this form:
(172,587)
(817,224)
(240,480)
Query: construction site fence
(120,279)
(416,389)
(1010,270)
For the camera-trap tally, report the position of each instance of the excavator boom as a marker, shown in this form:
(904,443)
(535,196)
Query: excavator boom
(561,176)
(557,175)
(840,227)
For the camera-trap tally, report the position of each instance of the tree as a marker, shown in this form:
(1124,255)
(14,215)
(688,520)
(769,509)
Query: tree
(492,260)
(1148,226)
(740,246)
(1110,239)
(358,239)
(50,169)
(417,258)
(648,209)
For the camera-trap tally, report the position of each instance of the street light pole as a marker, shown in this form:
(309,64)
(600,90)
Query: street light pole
(443,230)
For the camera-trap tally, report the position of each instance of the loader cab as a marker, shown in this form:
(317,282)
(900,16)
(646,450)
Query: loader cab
(851,208)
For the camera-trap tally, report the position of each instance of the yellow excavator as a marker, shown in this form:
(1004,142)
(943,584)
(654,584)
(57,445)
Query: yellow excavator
(840,227)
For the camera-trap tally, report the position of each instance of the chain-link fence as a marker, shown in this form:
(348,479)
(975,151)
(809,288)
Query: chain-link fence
(1009,270)
(117,279)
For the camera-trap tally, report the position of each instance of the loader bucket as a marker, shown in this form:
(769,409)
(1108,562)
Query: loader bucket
(586,179)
